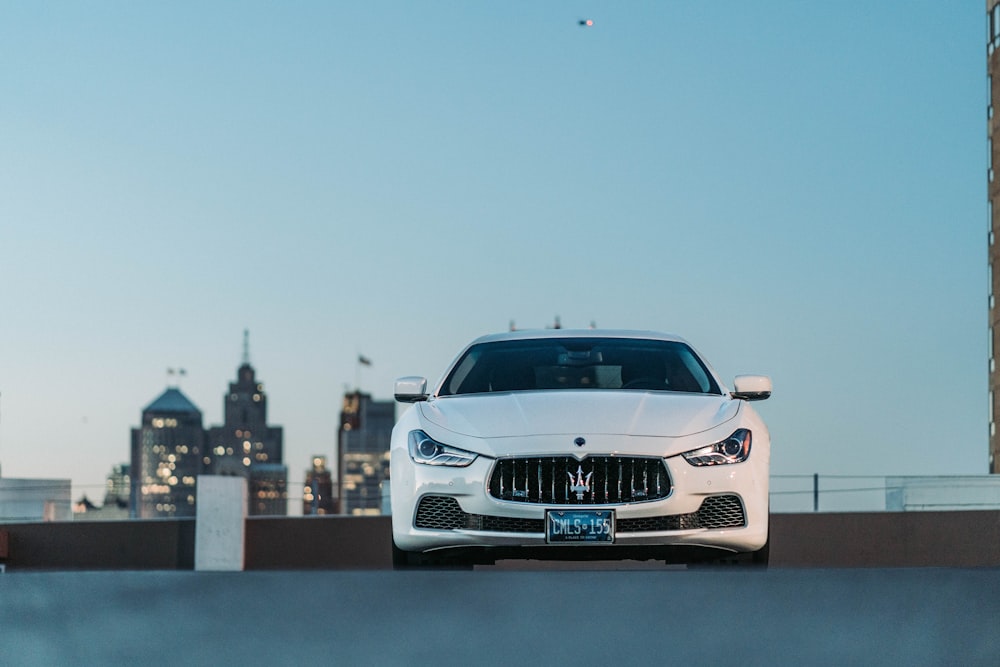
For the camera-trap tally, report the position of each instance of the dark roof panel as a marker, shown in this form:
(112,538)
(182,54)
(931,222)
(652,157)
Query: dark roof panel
(172,400)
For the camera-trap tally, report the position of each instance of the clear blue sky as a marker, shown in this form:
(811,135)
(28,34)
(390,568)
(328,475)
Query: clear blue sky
(796,187)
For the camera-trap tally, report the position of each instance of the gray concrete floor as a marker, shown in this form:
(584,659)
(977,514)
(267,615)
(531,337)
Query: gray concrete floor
(576,616)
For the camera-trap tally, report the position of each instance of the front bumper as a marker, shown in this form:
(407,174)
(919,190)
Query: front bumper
(716,508)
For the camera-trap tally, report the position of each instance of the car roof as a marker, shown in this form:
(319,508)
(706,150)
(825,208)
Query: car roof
(529,334)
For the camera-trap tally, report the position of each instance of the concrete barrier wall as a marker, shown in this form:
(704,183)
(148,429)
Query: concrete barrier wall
(886,539)
(319,542)
(163,544)
(881,539)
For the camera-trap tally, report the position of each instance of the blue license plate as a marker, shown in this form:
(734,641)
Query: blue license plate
(590,526)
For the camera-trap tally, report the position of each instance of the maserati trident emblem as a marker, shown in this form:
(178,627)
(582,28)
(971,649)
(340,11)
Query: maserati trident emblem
(579,442)
(579,484)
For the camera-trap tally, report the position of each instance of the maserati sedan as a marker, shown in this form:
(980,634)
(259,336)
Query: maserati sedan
(579,445)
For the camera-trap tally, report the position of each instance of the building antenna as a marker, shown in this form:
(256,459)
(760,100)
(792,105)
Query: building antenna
(179,372)
(246,347)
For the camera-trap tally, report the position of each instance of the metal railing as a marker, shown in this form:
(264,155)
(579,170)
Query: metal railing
(882,493)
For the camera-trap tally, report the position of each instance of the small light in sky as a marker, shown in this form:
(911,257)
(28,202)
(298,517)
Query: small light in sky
(587,23)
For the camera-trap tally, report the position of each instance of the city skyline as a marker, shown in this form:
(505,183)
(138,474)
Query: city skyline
(797,189)
(173,447)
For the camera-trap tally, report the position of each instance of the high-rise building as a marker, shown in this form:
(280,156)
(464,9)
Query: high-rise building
(363,452)
(247,446)
(993,199)
(166,458)
(116,491)
(268,489)
(116,498)
(171,449)
(318,496)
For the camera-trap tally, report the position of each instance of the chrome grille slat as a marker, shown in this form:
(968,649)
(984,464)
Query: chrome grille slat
(606,464)
(613,480)
(619,478)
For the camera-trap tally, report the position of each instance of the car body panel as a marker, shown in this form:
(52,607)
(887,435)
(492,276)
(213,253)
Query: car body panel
(570,412)
(617,423)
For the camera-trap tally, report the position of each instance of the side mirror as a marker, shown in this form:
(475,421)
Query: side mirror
(411,389)
(752,387)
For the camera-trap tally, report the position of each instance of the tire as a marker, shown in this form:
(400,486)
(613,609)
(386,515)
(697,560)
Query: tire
(757,560)
(746,560)
(415,560)
(762,556)
(400,558)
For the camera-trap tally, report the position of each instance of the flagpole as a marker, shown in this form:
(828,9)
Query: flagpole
(362,360)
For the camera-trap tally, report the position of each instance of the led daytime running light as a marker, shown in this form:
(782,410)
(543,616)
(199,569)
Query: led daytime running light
(734,449)
(424,449)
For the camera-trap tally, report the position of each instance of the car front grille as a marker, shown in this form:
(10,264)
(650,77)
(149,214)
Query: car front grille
(444,513)
(566,480)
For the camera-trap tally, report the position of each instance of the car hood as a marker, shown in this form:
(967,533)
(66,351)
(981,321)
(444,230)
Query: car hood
(585,412)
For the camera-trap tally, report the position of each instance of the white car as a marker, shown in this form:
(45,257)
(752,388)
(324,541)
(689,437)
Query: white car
(579,445)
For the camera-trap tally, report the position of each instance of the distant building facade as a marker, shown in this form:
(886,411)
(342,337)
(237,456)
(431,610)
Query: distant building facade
(117,486)
(363,452)
(35,499)
(166,458)
(267,487)
(172,448)
(116,498)
(318,493)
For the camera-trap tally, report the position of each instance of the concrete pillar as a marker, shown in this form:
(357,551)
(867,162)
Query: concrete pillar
(220,523)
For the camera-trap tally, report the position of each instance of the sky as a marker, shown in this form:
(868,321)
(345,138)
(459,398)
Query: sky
(799,189)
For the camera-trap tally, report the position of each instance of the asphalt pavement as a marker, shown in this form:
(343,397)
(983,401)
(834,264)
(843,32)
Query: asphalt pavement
(572,616)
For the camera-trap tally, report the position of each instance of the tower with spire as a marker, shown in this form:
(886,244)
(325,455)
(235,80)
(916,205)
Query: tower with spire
(246,445)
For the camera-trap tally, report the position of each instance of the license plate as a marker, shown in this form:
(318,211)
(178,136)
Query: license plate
(580,526)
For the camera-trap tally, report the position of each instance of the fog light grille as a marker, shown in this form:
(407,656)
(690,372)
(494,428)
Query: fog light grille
(440,513)
(444,513)
(715,512)
(722,512)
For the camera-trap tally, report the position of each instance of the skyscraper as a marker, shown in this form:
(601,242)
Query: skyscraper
(116,498)
(247,446)
(116,490)
(993,199)
(166,458)
(363,446)
(317,497)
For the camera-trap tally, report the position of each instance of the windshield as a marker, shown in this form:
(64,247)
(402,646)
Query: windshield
(579,363)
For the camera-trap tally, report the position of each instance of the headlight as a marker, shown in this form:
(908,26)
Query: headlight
(734,449)
(425,450)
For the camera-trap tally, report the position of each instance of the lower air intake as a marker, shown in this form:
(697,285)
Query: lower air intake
(444,513)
